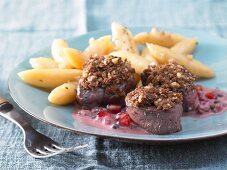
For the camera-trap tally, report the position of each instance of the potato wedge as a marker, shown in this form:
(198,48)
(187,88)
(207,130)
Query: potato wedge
(138,62)
(164,55)
(49,78)
(63,94)
(43,62)
(146,54)
(101,46)
(123,39)
(57,53)
(164,39)
(186,46)
(74,57)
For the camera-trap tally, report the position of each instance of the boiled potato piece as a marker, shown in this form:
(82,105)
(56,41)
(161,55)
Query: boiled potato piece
(57,53)
(63,94)
(164,39)
(186,46)
(49,78)
(146,54)
(74,57)
(164,55)
(42,62)
(138,62)
(123,38)
(101,46)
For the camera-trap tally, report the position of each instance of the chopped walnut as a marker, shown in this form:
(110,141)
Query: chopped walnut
(162,99)
(106,72)
(171,76)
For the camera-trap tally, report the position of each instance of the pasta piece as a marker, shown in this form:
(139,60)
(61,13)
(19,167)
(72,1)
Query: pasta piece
(139,84)
(101,46)
(186,46)
(137,77)
(164,55)
(49,78)
(63,94)
(57,53)
(146,54)
(74,57)
(123,39)
(42,62)
(138,62)
(164,39)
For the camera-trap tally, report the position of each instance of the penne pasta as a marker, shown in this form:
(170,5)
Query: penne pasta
(123,39)
(63,94)
(165,55)
(43,63)
(186,46)
(99,47)
(57,53)
(74,57)
(146,54)
(138,62)
(164,39)
(49,78)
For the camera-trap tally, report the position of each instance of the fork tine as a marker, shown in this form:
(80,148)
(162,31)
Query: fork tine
(57,146)
(50,149)
(42,152)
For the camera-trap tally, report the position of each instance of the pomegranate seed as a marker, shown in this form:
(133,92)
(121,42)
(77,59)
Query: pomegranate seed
(102,114)
(198,88)
(124,119)
(210,95)
(114,108)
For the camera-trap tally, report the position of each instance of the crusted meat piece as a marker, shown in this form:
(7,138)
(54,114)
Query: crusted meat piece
(105,80)
(104,71)
(171,76)
(162,99)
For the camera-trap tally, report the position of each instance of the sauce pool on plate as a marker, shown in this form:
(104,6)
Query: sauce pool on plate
(115,118)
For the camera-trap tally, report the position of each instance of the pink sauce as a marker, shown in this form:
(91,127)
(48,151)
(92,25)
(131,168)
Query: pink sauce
(114,118)
(109,120)
(211,102)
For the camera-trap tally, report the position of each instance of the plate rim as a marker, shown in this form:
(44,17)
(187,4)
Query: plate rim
(151,141)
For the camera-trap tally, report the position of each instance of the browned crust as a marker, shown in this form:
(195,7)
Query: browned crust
(170,76)
(162,99)
(107,72)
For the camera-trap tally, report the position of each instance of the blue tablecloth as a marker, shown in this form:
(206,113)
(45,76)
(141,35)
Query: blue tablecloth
(27,26)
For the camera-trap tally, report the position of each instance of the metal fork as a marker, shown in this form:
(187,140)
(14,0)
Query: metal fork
(35,143)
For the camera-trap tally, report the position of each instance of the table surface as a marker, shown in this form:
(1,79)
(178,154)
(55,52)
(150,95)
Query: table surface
(27,26)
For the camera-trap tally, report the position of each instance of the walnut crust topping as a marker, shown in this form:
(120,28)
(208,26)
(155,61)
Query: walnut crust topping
(161,98)
(106,72)
(171,76)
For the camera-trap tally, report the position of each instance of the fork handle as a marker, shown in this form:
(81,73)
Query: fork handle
(6,111)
